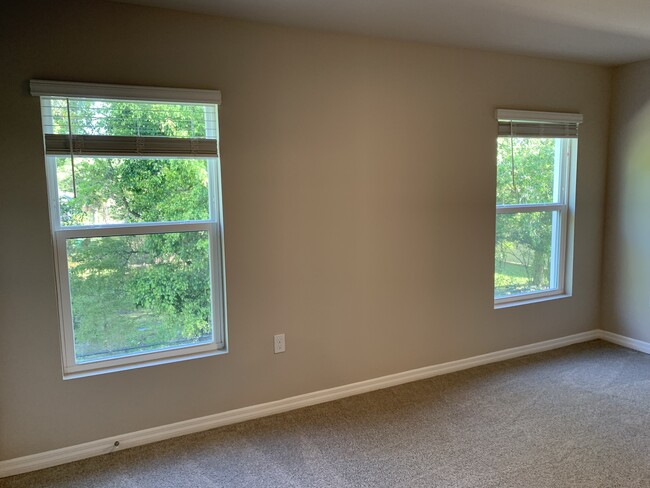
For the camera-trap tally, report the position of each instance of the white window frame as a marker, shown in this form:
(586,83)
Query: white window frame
(562,208)
(212,226)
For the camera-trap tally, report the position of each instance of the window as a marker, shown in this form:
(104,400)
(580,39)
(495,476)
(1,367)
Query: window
(536,153)
(135,208)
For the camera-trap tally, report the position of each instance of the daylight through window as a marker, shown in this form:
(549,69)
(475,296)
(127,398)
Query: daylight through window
(536,152)
(133,176)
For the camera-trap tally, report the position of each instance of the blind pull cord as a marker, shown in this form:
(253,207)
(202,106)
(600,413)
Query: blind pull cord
(74,181)
(512,161)
(139,142)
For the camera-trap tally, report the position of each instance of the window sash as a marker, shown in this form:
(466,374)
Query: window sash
(557,260)
(217,301)
(109,145)
(214,203)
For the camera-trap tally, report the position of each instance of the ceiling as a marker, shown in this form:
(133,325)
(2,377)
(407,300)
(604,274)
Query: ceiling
(608,32)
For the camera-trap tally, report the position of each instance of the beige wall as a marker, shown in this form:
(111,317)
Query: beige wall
(626,277)
(359,192)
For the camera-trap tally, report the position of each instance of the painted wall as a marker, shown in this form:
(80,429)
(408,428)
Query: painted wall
(359,193)
(626,271)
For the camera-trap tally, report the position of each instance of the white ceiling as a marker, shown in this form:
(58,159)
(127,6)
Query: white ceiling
(609,32)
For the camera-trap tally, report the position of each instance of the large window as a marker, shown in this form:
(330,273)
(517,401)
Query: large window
(536,153)
(134,192)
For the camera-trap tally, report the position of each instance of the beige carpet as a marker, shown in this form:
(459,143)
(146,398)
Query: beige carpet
(578,416)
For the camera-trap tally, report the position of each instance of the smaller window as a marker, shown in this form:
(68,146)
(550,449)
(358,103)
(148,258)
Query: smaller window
(536,153)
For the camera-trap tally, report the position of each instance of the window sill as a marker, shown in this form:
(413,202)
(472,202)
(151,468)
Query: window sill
(142,364)
(528,301)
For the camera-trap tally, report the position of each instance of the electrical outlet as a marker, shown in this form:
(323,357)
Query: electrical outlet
(278,343)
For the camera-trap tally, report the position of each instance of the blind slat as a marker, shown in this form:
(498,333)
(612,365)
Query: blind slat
(509,128)
(525,123)
(134,146)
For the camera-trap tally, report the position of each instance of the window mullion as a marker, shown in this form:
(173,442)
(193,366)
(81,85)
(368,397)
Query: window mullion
(530,208)
(133,229)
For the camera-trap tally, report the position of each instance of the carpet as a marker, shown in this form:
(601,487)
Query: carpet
(573,417)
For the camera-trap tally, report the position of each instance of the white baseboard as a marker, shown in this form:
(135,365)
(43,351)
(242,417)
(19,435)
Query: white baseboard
(89,449)
(624,341)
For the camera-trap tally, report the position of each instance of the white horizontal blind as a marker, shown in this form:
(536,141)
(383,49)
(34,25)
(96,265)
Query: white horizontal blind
(536,129)
(520,123)
(118,120)
(62,145)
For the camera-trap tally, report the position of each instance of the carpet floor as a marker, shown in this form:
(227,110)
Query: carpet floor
(573,417)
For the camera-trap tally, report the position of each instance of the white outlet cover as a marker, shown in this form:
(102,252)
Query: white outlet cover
(278,343)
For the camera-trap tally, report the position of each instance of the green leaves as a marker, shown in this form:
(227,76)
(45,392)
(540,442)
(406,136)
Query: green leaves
(525,170)
(525,175)
(121,118)
(114,190)
(523,252)
(135,293)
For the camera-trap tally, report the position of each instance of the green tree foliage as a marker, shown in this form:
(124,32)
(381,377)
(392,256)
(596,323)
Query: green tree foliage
(525,175)
(142,292)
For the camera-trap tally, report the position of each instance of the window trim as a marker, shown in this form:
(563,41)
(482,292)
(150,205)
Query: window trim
(563,207)
(48,88)
(536,116)
(213,226)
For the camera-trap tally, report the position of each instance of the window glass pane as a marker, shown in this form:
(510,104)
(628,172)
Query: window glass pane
(524,252)
(130,118)
(527,170)
(114,190)
(139,293)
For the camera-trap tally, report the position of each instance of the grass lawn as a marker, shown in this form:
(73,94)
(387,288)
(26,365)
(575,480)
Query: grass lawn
(510,278)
